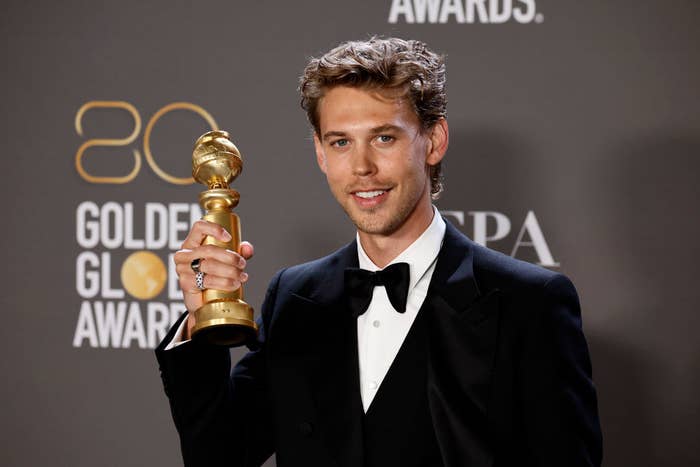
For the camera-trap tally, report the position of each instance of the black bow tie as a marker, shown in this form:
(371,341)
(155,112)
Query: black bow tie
(359,284)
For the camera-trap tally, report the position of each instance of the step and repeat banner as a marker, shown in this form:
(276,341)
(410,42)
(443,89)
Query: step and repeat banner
(575,145)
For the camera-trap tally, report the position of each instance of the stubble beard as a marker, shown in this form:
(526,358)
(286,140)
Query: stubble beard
(371,223)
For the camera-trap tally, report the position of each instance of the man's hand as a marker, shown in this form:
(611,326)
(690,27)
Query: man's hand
(223,269)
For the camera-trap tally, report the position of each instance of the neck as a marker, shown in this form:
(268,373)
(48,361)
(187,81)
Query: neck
(382,249)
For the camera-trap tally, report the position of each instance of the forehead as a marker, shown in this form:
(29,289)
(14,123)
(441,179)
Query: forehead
(344,108)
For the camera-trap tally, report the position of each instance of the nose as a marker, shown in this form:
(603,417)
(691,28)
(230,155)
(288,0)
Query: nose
(363,161)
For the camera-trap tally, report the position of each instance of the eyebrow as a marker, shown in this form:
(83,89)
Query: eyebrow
(328,134)
(385,128)
(374,131)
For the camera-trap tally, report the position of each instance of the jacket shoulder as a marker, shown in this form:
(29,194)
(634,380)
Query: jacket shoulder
(304,278)
(495,270)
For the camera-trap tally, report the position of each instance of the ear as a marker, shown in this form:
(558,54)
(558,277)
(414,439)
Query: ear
(320,154)
(439,140)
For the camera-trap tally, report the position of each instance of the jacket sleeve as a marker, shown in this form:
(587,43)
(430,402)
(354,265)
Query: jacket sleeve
(222,416)
(558,397)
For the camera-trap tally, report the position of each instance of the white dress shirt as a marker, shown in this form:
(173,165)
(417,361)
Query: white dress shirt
(381,330)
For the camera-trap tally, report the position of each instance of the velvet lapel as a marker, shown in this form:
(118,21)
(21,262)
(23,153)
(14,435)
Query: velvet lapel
(334,381)
(463,325)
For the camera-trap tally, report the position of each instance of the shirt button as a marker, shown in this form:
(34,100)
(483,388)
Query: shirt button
(373,385)
(376,323)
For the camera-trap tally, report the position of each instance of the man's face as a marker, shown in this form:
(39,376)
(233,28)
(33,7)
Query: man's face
(374,154)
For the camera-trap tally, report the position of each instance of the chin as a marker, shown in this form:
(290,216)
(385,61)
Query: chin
(375,224)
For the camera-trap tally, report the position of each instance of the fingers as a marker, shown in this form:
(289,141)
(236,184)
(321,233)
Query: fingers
(201,229)
(217,275)
(183,258)
(222,268)
(213,267)
(246,250)
(210,281)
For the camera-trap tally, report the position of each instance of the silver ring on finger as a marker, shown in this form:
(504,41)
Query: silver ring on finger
(199,280)
(195,264)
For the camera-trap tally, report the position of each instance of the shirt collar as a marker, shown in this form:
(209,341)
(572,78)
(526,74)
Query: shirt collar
(419,255)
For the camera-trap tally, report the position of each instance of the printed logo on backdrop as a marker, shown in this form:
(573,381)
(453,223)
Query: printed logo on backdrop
(529,241)
(464,11)
(126,278)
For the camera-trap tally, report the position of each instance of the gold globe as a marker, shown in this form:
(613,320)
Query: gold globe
(143,275)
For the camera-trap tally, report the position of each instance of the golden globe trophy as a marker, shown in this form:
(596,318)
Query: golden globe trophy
(224,318)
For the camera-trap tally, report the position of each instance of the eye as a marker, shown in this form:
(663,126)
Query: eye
(339,143)
(385,138)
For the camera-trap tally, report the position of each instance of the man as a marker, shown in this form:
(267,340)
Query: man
(452,355)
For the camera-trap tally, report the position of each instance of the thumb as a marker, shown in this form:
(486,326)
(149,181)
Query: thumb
(246,250)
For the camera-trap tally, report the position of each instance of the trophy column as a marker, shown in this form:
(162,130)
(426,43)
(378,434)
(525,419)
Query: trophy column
(224,318)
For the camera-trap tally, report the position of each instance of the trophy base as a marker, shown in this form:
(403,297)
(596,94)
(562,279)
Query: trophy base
(226,323)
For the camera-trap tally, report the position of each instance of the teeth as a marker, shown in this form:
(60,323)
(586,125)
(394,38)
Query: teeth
(369,194)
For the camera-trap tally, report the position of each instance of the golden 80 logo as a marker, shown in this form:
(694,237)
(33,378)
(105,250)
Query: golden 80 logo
(128,107)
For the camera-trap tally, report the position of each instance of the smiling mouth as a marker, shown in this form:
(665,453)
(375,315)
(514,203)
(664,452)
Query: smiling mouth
(369,194)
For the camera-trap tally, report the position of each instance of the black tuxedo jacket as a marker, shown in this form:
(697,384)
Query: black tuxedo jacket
(508,377)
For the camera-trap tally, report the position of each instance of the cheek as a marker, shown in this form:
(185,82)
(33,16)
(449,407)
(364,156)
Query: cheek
(413,167)
(334,176)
